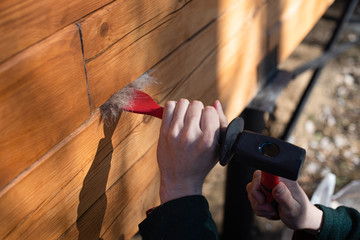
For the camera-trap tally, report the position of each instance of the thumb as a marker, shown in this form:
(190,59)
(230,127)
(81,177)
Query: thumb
(283,197)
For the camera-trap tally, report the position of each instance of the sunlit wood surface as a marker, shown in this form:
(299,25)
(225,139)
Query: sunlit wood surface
(64,173)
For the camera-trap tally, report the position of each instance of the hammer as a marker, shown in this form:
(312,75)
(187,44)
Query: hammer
(273,156)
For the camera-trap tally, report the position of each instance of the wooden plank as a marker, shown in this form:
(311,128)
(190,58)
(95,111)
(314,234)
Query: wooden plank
(84,143)
(229,73)
(136,54)
(81,145)
(87,154)
(197,79)
(134,212)
(126,204)
(105,76)
(299,22)
(43,98)
(114,23)
(213,75)
(204,78)
(198,69)
(24,23)
(110,24)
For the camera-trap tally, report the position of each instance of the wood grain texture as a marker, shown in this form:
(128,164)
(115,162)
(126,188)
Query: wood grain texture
(43,98)
(82,175)
(56,169)
(294,22)
(136,54)
(124,19)
(115,23)
(226,67)
(126,203)
(104,178)
(24,23)
(143,47)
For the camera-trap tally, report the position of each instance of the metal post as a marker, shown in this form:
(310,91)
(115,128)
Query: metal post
(238,214)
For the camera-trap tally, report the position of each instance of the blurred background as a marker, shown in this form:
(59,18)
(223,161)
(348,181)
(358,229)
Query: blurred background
(329,127)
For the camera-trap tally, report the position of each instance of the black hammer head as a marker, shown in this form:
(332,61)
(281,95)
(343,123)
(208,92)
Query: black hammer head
(262,152)
(233,132)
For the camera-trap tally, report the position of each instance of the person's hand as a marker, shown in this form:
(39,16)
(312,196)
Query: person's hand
(188,146)
(294,207)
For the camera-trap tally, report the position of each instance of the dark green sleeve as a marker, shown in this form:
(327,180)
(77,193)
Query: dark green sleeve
(338,224)
(341,223)
(183,218)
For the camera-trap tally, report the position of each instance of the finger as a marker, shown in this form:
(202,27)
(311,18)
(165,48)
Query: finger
(210,127)
(178,118)
(262,208)
(209,122)
(255,189)
(193,115)
(167,115)
(283,197)
(222,117)
(294,188)
(257,179)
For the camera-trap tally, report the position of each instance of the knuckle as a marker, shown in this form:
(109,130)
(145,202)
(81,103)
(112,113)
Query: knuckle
(197,103)
(163,131)
(184,143)
(210,109)
(183,101)
(248,187)
(187,133)
(172,135)
(170,104)
(253,196)
(206,141)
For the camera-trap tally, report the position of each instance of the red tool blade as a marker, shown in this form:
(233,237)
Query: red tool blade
(144,104)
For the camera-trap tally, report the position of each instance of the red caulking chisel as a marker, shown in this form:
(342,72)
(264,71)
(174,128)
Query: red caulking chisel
(144,104)
(273,156)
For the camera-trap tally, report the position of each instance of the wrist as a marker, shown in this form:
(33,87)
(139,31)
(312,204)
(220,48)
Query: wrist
(170,191)
(314,220)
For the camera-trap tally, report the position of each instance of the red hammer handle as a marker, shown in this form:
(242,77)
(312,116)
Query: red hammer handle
(268,182)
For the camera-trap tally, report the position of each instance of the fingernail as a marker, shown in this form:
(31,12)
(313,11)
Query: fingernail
(279,190)
(219,104)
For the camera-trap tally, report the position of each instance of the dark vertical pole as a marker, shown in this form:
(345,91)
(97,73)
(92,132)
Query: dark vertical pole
(238,214)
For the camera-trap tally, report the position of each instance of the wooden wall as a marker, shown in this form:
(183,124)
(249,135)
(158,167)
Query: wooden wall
(64,173)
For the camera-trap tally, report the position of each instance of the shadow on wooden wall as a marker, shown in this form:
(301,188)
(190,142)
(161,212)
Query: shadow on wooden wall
(97,178)
(67,176)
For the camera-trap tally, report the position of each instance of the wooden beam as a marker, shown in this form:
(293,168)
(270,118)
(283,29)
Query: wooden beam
(226,67)
(24,23)
(115,23)
(125,204)
(84,143)
(43,98)
(140,50)
(220,61)
(82,158)
(296,24)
